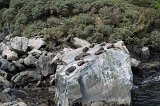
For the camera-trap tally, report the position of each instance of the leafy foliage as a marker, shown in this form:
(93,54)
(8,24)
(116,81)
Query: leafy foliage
(94,20)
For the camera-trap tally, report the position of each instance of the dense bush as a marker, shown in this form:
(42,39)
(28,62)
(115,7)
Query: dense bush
(133,21)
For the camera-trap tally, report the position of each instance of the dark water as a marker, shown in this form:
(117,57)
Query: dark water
(146,92)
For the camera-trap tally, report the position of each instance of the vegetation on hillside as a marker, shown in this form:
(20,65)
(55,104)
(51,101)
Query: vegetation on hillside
(137,22)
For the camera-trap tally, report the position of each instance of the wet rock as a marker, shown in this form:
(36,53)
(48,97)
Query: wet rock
(45,66)
(36,43)
(145,53)
(30,60)
(10,55)
(19,44)
(80,42)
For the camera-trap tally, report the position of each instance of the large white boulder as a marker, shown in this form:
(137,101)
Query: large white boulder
(19,44)
(36,43)
(103,77)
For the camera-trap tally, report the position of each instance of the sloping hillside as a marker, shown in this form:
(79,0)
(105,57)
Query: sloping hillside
(137,22)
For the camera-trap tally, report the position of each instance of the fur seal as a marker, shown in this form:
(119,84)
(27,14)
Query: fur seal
(110,46)
(102,44)
(85,49)
(100,51)
(92,45)
(80,63)
(70,70)
(80,56)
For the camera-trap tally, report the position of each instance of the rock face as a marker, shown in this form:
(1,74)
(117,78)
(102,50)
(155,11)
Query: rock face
(80,42)
(19,44)
(105,78)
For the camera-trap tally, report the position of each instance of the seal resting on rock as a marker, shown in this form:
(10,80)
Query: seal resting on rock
(80,56)
(80,63)
(85,49)
(92,45)
(102,44)
(100,51)
(70,70)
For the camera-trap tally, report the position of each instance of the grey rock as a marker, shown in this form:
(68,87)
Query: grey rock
(5,98)
(12,68)
(45,66)
(19,44)
(14,103)
(4,82)
(145,53)
(4,64)
(3,47)
(19,65)
(30,60)
(36,43)
(106,77)
(16,93)
(21,60)
(35,53)
(26,76)
(2,36)
(80,42)
(11,55)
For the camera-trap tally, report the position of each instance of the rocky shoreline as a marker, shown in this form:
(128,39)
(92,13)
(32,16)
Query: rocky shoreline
(27,70)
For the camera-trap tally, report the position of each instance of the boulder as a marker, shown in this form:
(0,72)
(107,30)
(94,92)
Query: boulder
(105,77)
(135,62)
(30,60)
(35,53)
(3,47)
(4,64)
(12,68)
(77,42)
(25,77)
(19,65)
(36,43)
(4,82)
(145,53)
(14,103)
(19,44)
(11,55)
(45,66)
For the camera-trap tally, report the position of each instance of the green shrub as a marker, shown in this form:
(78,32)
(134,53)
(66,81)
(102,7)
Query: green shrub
(106,30)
